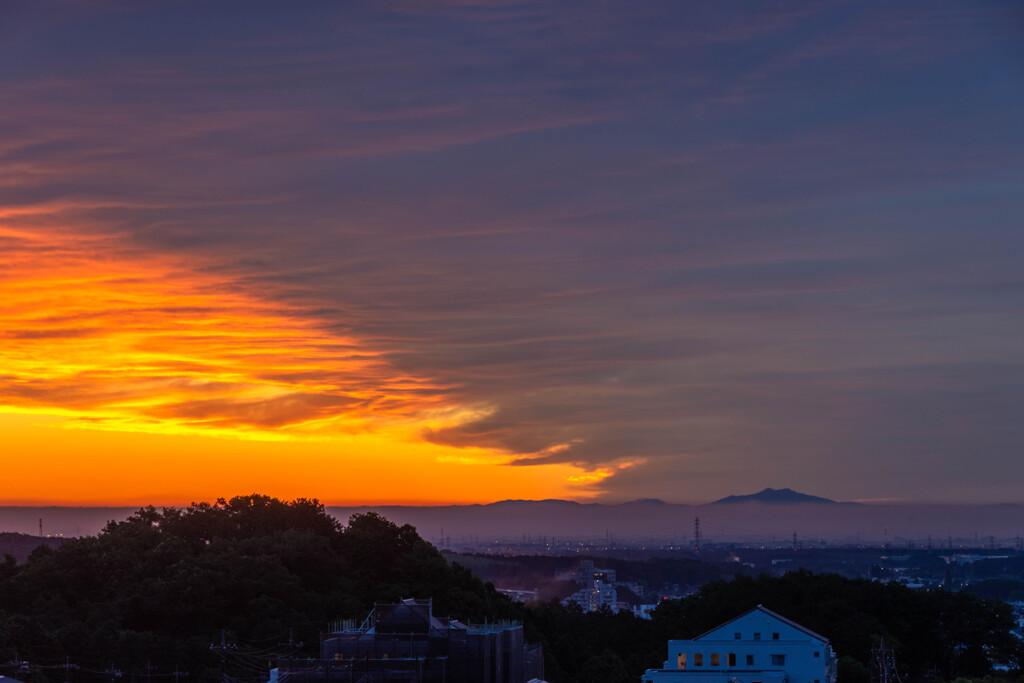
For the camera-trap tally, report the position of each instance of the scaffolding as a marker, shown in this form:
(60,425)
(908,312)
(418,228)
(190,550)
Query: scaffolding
(405,643)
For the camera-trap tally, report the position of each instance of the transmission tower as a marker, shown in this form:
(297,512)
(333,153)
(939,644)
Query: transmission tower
(696,535)
(883,665)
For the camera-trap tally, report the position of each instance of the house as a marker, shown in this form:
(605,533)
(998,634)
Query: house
(757,647)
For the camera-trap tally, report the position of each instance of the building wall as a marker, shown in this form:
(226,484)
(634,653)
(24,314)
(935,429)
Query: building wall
(795,661)
(756,648)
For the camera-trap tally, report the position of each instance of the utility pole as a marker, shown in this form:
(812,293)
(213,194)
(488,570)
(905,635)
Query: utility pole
(223,649)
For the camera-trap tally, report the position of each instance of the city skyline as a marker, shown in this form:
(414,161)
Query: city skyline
(470,251)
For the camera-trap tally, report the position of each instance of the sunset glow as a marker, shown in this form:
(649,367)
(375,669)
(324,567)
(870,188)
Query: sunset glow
(143,345)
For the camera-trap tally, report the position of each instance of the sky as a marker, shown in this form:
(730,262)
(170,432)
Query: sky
(459,252)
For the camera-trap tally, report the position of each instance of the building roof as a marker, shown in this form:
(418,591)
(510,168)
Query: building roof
(765,610)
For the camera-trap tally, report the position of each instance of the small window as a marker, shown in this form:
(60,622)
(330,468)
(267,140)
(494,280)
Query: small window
(757,636)
(735,636)
(778,660)
(750,661)
(817,654)
(681,660)
(775,636)
(731,659)
(698,659)
(714,659)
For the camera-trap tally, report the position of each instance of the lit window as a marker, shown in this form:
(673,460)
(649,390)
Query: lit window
(731,659)
(698,659)
(714,659)
(778,660)
(681,660)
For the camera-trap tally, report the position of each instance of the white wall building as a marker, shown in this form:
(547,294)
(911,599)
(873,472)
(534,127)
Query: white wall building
(757,647)
(594,597)
(598,587)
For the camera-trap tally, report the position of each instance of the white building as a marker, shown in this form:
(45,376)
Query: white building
(593,598)
(757,647)
(598,587)
(644,611)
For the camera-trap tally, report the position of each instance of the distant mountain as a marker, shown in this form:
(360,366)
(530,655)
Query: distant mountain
(521,501)
(777,497)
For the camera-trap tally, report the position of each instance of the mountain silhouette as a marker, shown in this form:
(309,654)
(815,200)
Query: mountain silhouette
(776,496)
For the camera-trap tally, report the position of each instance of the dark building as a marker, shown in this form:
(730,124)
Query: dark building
(406,643)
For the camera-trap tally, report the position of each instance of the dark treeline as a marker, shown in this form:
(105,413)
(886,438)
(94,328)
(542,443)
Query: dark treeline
(152,594)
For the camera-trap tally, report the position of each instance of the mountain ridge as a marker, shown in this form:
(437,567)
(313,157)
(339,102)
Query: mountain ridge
(772,496)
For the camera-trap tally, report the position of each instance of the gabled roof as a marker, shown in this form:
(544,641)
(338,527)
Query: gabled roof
(765,610)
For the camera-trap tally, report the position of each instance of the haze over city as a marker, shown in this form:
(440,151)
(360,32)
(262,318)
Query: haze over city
(460,252)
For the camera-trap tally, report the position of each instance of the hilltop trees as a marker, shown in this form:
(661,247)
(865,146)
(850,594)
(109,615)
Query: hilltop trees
(156,589)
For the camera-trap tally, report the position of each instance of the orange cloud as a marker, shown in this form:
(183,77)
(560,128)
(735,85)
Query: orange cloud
(97,338)
(144,343)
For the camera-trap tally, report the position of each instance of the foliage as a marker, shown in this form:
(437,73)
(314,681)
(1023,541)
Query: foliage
(157,589)
(605,667)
